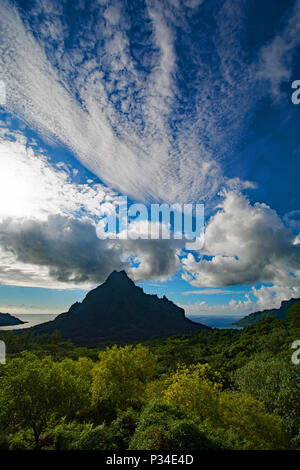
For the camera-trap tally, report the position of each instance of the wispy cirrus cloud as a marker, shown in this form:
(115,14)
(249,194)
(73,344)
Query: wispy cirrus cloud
(116,93)
(213,291)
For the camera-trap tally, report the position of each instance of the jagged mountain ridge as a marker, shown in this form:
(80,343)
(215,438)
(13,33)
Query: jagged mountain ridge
(118,310)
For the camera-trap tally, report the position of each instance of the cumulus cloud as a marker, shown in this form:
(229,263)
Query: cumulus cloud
(66,247)
(262,298)
(272,296)
(48,236)
(233,307)
(48,226)
(292,220)
(245,244)
(66,251)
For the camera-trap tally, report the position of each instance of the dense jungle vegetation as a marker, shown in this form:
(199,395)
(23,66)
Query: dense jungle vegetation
(218,389)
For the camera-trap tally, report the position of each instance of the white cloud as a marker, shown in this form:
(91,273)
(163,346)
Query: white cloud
(292,220)
(48,226)
(213,292)
(113,108)
(63,251)
(246,244)
(31,187)
(276,57)
(264,298)
(119,127)
(271,296)
(233,307)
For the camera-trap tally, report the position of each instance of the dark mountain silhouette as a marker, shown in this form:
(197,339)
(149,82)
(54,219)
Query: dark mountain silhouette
(118,310)
(9,320)
(279,313)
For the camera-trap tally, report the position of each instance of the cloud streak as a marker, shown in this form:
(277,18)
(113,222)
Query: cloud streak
(115,96)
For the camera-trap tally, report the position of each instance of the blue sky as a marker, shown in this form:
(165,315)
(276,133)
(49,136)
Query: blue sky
(179,101)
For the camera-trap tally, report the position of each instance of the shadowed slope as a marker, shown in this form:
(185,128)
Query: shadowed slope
(118,310)
(9,320)
(279,313)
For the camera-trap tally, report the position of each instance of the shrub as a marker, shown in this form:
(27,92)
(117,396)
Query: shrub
(162,427)
(247,426)
(21,440)
(194,390)
(275,382)
(121,374)
(34,392)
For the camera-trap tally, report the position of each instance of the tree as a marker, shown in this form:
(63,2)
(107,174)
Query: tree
(34,392)
(86,436)
(194,390)
(121,374)
(164,427)
(246,425)
(274,382)
(175,351)
(294,315)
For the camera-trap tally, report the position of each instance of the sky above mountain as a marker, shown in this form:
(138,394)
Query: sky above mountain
(179,101)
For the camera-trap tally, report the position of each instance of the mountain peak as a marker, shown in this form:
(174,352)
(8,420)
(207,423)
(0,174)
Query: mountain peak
(117,276)
(118,310)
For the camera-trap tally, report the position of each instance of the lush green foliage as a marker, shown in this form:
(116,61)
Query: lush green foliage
(246,425)
(33,391)
(194,390)
(121,374)
(219,389)
(276,384)
(164,427)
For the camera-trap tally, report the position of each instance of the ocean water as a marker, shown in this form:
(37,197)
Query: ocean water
(218,321)
(215,321)
(31,320)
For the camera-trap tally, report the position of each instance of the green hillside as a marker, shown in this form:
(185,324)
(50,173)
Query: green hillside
(279,313)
